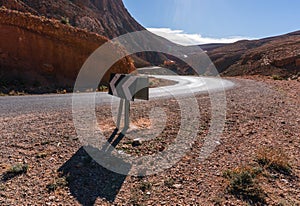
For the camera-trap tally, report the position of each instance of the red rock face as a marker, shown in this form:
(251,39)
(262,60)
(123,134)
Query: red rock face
(109,18)
(39,51)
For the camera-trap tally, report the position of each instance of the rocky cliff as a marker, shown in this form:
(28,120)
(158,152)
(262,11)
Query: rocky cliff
(105,17)
(41,55)
(109,18)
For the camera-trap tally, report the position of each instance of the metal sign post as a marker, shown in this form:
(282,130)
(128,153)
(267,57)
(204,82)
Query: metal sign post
(128,88)
(126,103)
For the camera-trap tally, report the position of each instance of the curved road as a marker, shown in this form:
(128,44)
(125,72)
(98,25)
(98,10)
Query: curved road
(186,85)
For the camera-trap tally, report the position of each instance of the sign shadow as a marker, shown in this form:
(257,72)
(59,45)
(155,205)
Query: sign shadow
(89,180)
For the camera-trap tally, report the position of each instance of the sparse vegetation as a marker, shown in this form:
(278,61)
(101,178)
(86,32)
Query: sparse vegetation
(274,159)
(65,20)
(144,186)
(244,185)
(15,170)
(62,91)
(41,155)
(2,187)
(243,181)
(102,88)
(19,168)
(276,77)
(217,201)
(57,182)
(134,198)
(16,93)
(169,182)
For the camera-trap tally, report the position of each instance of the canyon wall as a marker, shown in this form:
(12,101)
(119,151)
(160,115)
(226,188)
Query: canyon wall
(39,52)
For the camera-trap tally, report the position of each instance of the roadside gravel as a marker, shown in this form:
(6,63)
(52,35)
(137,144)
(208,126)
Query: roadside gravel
(261,113)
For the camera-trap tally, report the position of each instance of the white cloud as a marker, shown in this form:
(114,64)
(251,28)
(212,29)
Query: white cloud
(180,37)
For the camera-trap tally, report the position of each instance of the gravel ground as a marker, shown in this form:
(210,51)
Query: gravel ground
(261,113)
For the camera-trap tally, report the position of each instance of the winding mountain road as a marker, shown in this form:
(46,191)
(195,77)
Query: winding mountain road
(185,86)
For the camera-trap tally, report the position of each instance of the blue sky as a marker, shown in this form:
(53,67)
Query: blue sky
(216,20)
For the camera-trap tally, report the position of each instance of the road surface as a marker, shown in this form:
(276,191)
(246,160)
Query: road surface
(186,85)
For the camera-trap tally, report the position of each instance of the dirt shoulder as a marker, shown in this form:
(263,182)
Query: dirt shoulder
(52,168)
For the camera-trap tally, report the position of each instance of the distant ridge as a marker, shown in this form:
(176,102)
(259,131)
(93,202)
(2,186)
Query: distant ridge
(279,55)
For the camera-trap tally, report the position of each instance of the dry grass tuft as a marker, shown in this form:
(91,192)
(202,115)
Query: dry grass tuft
(274,159)
(244,185)
(15,170)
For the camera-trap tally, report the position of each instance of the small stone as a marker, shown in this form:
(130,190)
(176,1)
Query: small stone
(177,186)
(136,142)
(51,197)
(148,193)
(121,152)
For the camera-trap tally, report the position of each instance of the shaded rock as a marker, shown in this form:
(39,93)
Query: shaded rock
(40,51)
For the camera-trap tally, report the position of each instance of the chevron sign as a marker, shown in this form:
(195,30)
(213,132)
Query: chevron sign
(129,87)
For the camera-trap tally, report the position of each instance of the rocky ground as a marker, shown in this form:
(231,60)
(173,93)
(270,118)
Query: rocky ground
(43,162)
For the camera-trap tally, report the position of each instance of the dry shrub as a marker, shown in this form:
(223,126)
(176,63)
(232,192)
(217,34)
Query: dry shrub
(274,159)
(244,184)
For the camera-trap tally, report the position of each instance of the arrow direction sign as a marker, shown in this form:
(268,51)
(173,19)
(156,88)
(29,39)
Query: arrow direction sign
(129,87)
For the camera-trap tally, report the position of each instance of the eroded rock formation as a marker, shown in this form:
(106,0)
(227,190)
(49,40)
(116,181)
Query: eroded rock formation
(108,18)
(37,52)
(105,17)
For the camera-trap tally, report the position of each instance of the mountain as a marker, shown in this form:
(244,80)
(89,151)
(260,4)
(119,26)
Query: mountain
(278,55)
(109,18)
(105,17)
(212,46)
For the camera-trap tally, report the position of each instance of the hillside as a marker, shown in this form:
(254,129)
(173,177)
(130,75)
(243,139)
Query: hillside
(269,56)
(274,56)
(105,17)
(41,55)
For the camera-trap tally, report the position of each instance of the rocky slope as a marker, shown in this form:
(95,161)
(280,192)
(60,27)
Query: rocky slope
(274,56)
(270,56)
(41,55)
(105,17)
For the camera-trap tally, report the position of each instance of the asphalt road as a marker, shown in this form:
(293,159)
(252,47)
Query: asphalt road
(186,86)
